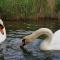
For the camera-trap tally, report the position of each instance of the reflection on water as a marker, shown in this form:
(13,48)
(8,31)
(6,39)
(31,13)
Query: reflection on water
(10,48)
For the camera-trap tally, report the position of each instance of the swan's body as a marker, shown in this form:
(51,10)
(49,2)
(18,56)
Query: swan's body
(52,42)
(2,36)
(55,44)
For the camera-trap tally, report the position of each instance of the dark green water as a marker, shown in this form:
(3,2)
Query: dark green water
(11,46)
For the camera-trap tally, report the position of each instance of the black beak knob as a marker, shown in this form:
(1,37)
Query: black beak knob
(23,42)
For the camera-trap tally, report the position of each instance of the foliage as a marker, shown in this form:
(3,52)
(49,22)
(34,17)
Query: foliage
(21,8)
(58,6)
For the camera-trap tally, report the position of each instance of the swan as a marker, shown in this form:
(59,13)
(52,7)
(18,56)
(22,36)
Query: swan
(2,31)
(51,42)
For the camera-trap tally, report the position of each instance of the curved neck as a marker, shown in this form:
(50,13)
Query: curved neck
(40,32)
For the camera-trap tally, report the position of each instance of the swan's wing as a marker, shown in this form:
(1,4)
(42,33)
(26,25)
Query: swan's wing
(56,40)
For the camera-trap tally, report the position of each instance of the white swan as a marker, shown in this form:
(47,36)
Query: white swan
(3,33)
(51,42)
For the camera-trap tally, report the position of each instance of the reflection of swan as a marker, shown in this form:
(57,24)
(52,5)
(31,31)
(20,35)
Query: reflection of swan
(51,42)
(2,32)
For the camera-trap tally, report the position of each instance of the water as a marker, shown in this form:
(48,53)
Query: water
(10,48)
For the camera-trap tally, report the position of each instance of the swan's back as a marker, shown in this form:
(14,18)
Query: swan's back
(56,41)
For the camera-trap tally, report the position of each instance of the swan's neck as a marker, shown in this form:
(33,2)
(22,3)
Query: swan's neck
(40,32)
(4,31)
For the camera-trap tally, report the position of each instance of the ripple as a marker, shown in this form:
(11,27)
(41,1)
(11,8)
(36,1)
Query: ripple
(12,50)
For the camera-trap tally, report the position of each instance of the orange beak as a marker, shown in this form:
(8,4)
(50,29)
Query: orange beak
(1,30)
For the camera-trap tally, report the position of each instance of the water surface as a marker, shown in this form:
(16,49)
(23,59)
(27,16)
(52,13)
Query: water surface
(10,48)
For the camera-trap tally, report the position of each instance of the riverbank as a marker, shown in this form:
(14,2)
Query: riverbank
(30,24)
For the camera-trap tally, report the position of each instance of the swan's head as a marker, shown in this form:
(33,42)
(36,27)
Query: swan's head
(26,40)
(1,26)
